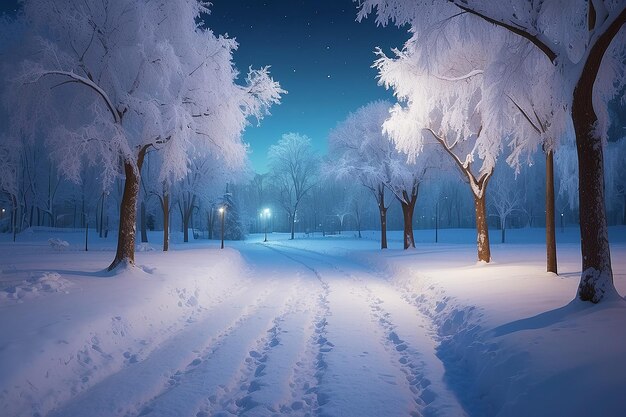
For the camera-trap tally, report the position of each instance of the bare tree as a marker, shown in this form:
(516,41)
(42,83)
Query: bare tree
(506,198)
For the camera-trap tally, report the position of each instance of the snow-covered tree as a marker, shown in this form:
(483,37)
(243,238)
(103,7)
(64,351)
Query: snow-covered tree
(234,227)
(584,40)
(293,165)
(134,76)
(357,149)
(360,149)
(445,111)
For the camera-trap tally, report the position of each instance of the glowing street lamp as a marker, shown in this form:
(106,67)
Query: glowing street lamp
(221,210)
(266,213)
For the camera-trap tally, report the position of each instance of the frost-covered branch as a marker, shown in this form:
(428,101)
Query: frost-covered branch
(88,83)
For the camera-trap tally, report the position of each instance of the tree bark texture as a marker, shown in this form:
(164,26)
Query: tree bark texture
(551,265)
(383,217)
(128,213)
(408,207)
(293,221)
(597,275)
(144,231)
(165,205)
(482,230)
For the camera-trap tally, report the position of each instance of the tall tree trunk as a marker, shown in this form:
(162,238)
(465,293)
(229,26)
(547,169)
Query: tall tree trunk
(128,213)
(383,226)
(482,230)
(14,217)
(407,215)
(210,222)
(142,221)
(383,217)
(293,221)
(185,224)
(408,207)
(597,274)
(503,231)
(165,205)
(551,265)
(100,216)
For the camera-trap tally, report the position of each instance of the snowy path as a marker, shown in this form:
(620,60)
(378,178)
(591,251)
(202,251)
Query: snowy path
(382,360)
(309,335)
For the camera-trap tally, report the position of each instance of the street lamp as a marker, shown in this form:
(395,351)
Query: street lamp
(222,209)
(266,215)
(562,229)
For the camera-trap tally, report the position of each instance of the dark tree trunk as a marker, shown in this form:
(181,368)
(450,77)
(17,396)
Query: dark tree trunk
(551,265)
(407,215)
(383,217)
(597,275)
(102,216)
(14,217)
(482,230)
(187,215)
(383,226)
(210,223)
(503,231)
(293,221)
(128,213)
(185,228)
(142,221)
(408,207)
(165,206)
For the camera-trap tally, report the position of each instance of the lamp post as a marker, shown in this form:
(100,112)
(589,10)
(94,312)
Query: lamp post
(562,228)
(266,215)
(222,214)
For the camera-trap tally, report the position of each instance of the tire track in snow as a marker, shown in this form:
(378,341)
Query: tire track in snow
(261,368)
(262,384)
(124,392)
(341,384)
(409,336)
(318,345)
(214,372)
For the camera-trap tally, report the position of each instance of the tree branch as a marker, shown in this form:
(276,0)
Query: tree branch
(459,78)
(90,84)
(534,39)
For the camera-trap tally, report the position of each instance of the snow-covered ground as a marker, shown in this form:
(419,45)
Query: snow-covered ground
(317,326)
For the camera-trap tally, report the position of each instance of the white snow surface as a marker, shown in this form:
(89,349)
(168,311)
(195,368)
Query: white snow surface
(316,326)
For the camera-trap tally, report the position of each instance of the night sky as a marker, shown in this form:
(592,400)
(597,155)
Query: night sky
(318,53)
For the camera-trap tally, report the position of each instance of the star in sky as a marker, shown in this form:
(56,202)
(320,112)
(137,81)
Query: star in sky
(317,51)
